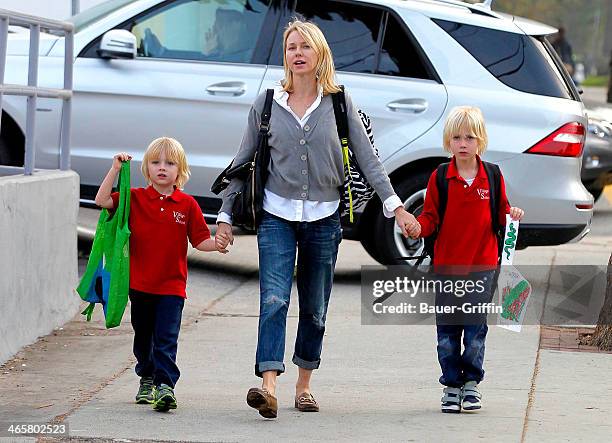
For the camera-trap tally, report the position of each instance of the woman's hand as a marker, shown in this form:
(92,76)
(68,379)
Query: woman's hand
(407,222)
(223,236)
(516,213)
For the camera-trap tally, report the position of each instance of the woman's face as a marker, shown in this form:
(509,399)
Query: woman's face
(301,57)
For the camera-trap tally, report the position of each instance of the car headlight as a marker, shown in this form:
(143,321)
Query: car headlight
(600,128)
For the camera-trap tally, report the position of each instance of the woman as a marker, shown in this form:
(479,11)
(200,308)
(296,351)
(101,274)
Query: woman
(301,202)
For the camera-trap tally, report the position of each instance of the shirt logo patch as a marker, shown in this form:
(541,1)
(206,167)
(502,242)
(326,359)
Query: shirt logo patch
(484,194)
(179,217)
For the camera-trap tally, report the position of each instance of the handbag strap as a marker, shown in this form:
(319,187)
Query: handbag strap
(264,126)
(340,112)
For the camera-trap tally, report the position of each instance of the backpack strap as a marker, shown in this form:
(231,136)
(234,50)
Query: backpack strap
(442,185)
(340,112)
(494,177)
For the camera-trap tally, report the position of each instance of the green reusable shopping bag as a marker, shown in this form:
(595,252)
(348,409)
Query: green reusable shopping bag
(107,277)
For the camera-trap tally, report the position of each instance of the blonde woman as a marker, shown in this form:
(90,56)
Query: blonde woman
(301,202)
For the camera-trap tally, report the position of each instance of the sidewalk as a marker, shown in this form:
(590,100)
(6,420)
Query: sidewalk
(376,383)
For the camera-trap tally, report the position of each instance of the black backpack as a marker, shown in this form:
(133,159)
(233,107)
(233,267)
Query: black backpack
(494,177)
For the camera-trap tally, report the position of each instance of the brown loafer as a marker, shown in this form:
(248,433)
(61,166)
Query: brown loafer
(263,401)
(305,402)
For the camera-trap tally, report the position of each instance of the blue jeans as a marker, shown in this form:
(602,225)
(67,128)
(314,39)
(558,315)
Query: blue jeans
(156,320)
(457,367)
(316,244)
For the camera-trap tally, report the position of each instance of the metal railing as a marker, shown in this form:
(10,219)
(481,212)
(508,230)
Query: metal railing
(32,91)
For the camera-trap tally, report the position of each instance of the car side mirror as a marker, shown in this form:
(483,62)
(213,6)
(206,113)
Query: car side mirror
(118,43)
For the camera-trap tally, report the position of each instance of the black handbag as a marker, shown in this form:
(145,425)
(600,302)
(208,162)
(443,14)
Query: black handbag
(248,202)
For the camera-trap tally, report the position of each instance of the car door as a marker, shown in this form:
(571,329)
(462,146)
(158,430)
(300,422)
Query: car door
(381,65)
(195,77)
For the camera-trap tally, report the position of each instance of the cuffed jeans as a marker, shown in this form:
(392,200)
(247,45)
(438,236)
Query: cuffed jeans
(457,367)
(316,244)
(156,320)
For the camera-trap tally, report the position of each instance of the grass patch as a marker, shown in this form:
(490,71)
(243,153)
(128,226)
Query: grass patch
(595,80)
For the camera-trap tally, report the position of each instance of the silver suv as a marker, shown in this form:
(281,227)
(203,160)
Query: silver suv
(192,68)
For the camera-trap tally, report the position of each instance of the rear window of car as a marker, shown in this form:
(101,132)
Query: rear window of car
(519,61)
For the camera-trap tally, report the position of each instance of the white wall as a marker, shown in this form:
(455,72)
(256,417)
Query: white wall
(57,9)
(38,256)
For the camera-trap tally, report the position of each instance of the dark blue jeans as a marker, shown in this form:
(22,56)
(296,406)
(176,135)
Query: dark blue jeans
(156,320)
(457,367)
(316,244)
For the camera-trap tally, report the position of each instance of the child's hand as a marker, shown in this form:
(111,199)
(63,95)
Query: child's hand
(120,157)
(222,240)
(221,249)
(516,213)
(415,231)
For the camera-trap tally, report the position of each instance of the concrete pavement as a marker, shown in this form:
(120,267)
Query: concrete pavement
(376,382)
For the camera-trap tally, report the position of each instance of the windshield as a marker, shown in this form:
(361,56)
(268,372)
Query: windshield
(91,15)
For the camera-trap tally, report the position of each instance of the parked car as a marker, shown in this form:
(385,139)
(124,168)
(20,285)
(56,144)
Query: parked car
(192,68)
(597,158)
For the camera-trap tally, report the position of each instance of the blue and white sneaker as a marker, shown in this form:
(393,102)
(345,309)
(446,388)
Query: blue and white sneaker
(471,396)
(451,400)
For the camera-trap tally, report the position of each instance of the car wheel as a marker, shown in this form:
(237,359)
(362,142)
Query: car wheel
(595,187)
(596,191)
(369,242)
(391,244)
(5,154)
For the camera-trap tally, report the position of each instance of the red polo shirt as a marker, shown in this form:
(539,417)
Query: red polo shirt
(466,237)
(161,226)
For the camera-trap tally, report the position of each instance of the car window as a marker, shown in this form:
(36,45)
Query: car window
(519,61)
(351,31)
(399,55)
(95,13)
(208,30)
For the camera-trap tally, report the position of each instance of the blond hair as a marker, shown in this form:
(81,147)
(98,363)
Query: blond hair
(469,119)
(325,70)
(174,152)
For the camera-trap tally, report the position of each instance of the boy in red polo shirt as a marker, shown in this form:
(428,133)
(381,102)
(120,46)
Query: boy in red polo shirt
(465,238)
(162,220)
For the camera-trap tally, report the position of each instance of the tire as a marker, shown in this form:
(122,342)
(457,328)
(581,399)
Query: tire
(8,156)
(5,158)
(369,239)
(596,191)
(391,244)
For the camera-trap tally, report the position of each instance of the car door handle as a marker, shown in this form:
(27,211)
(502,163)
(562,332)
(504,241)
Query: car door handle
(227,88)
(411,105)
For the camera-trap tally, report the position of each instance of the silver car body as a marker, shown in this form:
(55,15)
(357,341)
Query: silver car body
(120,105)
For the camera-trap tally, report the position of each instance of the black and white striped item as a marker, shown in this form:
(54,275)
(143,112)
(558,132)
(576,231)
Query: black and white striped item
(360,190)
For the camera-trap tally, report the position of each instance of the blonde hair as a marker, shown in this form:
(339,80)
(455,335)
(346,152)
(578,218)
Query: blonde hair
(325,71)
(174,152)
(469,119)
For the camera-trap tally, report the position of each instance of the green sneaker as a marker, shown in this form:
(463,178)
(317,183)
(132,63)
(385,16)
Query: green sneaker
(163,398)
(145,391)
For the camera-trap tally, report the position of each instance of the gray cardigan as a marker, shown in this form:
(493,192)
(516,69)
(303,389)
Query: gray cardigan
(306,164)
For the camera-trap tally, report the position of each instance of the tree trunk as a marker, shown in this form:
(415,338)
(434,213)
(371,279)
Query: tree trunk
(602,337)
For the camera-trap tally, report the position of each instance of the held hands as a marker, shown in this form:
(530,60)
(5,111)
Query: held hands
(223,237)
(407,222)
(516,213)
(119,158)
